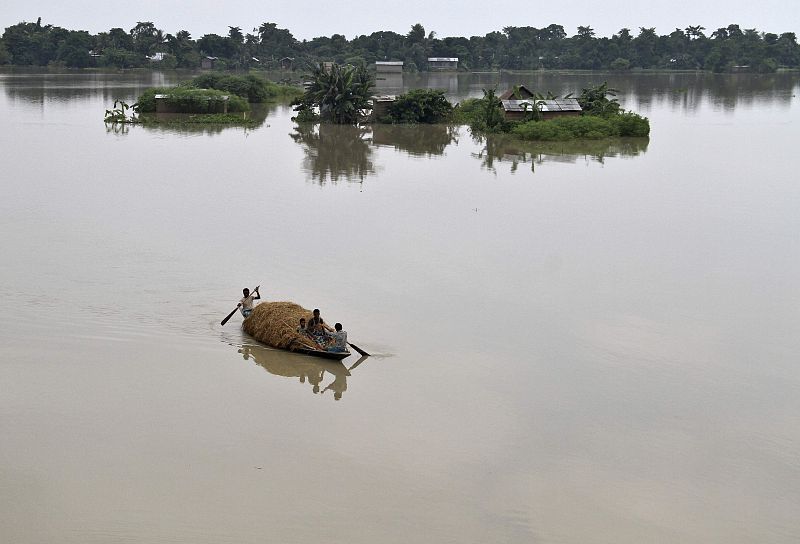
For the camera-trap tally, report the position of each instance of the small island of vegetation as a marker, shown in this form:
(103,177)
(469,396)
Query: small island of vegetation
(208,98)
(343,95)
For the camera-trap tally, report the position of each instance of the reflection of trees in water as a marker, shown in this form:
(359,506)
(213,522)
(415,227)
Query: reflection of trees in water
(171,123)
(416,140)
(502,148)
(335,151)
(38,85)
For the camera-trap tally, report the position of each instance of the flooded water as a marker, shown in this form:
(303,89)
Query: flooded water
(571,342)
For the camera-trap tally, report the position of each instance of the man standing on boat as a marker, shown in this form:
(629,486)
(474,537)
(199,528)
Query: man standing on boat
(246,304)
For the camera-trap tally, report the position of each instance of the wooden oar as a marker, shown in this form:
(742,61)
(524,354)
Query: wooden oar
(359,350)
(230,315)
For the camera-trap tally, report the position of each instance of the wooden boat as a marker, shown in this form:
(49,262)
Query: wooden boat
(333,355)
(273,324)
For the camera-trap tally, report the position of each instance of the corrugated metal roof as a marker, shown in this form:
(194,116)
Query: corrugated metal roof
(442,59)
(559,104)
(389,62)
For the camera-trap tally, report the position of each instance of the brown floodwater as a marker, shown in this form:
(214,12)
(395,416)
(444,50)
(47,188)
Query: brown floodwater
(573,342)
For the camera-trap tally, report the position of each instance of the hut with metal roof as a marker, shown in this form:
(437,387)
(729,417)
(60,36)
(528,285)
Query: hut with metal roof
(517,110)
(388,66)
(520,92)
(443,63)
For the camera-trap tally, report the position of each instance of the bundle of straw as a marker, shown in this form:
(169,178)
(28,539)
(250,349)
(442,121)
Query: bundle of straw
(275,324)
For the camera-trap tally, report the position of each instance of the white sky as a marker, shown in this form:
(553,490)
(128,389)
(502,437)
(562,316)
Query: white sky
(466,18)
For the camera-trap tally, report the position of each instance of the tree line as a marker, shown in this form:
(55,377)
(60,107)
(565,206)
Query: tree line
(514,48)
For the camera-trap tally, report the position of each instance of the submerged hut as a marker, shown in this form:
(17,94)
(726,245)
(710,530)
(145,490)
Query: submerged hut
(275,324)
(516,110)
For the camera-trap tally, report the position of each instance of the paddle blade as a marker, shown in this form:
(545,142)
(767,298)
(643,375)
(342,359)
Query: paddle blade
(359,350)
(229,316)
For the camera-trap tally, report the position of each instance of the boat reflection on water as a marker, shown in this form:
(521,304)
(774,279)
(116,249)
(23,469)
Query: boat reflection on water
(320,374)
(506,149)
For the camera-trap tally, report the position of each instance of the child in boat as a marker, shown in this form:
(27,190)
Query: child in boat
(317,326)
(246,304)
(302,330)
(338,340)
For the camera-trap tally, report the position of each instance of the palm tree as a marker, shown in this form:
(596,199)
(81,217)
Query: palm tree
(341,93)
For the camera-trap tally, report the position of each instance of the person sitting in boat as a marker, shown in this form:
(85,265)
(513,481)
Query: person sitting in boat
(246,304)
(338,340)
(302,330)
(317,327)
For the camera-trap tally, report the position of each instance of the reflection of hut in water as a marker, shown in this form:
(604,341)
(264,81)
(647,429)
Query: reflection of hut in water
(445,82)
(335,151)
(416,140)
(389,83)
(309,370)
(500,148)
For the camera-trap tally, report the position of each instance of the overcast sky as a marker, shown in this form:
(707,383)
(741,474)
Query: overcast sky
(466,18)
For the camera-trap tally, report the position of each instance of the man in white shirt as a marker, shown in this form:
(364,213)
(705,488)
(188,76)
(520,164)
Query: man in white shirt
(339,338)
(246,304)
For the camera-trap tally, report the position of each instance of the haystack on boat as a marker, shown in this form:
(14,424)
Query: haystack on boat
(275,324)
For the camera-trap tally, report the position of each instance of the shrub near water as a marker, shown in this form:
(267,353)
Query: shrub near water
(188,100)
(631,124)
(250,87)
(589,127)
(420,106)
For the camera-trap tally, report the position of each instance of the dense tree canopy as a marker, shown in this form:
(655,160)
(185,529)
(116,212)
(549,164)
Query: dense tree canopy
(515,47)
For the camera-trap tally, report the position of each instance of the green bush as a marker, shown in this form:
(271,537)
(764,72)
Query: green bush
(420,106)
(587,127)
(189,100)
(566,128)
(542,130)
(630,124)
(468,111)
(250,87)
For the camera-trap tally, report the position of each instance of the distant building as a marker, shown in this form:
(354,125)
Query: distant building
(207,63)
(388,66)
(156,57)
(443,63)
(516,110)
(286,63)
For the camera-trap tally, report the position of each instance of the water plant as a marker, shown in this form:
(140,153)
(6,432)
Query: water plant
(119,113)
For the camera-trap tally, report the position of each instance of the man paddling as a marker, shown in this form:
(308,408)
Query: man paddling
(246,304)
